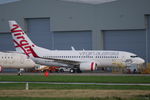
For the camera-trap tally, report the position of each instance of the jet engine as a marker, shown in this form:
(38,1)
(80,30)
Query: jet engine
(41,67)
(0,68)
(88,66)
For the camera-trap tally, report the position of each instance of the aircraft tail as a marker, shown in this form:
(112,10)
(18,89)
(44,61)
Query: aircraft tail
(21,41)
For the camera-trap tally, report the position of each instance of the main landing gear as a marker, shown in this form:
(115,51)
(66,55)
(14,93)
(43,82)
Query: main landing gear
(75,70)
(20,71)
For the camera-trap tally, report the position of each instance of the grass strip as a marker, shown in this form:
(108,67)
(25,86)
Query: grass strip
(34,86)
(66,78)
(85,86)
(33,98)
(93,98)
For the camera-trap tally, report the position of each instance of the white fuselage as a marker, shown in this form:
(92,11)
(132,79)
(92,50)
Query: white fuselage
(101,58)
(15,60)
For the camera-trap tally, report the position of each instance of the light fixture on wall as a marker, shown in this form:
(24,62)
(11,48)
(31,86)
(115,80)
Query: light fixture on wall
(91,1)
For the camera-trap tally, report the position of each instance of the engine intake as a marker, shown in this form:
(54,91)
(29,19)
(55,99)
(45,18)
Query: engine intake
(88,66)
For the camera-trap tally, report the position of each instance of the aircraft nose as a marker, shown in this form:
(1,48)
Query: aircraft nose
(138,61)
(141,61)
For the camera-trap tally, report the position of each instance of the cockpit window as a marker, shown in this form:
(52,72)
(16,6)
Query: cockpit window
(133,56)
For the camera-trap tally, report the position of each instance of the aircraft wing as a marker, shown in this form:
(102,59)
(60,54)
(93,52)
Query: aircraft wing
(68,62)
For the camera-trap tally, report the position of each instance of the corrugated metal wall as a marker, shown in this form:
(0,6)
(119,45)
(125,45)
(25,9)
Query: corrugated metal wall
(39,31)
(6,43)
(126,40)
(78,39)
(148,38)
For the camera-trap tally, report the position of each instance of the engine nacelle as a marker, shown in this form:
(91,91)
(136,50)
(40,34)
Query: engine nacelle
(1,68)
(88,66)
(41,67)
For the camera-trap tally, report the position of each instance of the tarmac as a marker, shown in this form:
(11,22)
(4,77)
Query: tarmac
(80,74)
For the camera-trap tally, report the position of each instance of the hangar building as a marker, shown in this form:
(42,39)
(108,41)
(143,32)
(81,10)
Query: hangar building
(58,24)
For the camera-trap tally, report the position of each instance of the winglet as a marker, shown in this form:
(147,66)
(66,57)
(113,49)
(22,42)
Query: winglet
(73,49)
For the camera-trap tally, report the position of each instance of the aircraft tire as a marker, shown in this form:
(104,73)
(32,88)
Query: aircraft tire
(72,70)
(19,74)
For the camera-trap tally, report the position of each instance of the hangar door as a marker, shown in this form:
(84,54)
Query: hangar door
(6,43)
(39,31)
(78,39)
(126,40)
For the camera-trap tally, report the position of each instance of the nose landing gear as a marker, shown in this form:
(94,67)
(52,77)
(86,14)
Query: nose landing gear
(20,71)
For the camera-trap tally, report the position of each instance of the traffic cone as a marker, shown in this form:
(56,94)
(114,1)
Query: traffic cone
(46,73)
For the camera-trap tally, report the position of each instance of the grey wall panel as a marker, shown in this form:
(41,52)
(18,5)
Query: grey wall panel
(6,43)
(130,40)
(39,31)
(67,16)
(148,39)
(10,70)
(122,14)
(80,40)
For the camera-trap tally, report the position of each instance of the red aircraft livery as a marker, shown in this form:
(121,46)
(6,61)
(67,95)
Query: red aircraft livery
(18,33)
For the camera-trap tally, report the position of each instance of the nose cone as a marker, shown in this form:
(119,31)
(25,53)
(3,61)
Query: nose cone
(140,61)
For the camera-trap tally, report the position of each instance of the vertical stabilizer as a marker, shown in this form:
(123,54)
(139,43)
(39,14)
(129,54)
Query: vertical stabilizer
(21,41)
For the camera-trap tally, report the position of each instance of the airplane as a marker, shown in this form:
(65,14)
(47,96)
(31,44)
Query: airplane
(78,60)
(15,60)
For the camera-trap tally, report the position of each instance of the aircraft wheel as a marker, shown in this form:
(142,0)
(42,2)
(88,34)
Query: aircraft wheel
(72,70)
(19,74)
